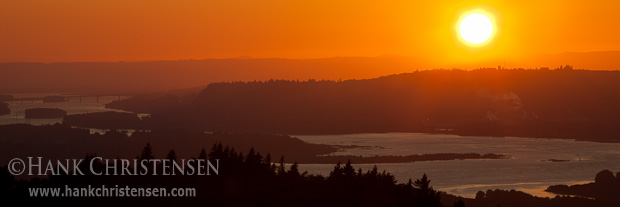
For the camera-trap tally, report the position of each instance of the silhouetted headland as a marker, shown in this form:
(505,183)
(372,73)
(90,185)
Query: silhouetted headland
(603,193)
(606,186)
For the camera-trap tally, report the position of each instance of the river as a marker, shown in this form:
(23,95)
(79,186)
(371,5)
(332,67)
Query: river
(529,169)
(72,105)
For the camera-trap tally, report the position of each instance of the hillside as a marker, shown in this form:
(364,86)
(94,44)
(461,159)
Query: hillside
(533,103)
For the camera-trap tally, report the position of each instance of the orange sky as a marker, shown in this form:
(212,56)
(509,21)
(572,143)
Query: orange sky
(130,30)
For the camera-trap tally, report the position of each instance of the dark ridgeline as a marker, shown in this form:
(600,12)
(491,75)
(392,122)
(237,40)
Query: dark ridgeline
(487,102)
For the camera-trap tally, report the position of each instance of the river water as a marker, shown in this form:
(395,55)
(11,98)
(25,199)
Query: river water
(529,169)
(73,105)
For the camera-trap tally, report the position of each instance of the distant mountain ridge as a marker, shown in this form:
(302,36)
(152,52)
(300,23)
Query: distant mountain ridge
(126,78)
(155,76)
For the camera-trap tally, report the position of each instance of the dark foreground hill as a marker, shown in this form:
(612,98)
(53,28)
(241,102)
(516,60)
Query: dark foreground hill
(252,180)
(532,103)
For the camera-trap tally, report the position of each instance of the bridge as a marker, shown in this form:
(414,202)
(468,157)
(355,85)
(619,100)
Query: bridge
(66,98)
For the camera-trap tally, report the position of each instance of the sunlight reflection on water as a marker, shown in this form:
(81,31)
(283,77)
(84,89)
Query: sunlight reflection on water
(529,170)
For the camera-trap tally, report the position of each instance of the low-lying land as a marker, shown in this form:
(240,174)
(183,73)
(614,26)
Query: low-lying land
(64,141)
(45,113)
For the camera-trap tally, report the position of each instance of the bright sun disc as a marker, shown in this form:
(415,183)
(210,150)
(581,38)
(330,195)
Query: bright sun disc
(476,28)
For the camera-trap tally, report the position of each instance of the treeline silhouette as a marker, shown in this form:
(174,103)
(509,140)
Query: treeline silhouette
(257,180)
(603,192)
(513,198)
(252,179)
(563,103)
(243,180)
(61,141)
(605,187)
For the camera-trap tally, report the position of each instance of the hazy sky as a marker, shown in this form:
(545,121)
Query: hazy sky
(129,30)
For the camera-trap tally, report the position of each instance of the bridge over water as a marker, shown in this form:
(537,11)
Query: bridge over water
(66,98)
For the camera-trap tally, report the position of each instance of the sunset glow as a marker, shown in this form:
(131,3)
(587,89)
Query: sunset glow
(476,28)
(70,31)
(310,103)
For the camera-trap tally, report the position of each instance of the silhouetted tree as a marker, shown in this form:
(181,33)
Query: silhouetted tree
(147,152)
(203,154)
(294,170)
(171,155)
(425,192)
(281,169)
(348,170)
(459,203)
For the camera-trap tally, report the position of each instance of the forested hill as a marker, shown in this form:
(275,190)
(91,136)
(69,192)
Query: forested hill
(538,103)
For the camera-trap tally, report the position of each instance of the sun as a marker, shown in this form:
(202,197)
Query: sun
(476,28)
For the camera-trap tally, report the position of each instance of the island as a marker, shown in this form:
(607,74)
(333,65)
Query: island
(45,113)
(104,120)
